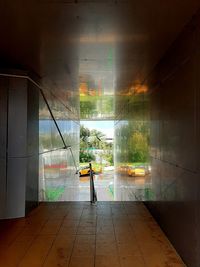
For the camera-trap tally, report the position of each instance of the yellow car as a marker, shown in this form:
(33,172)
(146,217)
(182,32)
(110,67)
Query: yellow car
(137,171)
(84,171)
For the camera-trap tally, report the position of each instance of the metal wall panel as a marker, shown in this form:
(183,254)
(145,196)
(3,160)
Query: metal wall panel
(32,181)
(3,141)
(175,167)
(19,138)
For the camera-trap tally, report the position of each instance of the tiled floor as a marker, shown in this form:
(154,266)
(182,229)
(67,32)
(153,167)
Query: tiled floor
(76,234)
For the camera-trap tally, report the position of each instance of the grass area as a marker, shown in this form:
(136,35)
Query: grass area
(54,193)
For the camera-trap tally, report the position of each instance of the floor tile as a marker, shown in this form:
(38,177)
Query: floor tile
(86,250)
(105,238)
(51,227)
(128,249)
(71,234)
(133,261)
(82,262)
(106,249)
(37,251)
(85,239)
(106,261)
(86,230)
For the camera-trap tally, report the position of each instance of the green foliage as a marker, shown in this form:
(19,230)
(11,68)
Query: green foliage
(92,139)
(86,156)
(84,135)
(96,140)
(109,157)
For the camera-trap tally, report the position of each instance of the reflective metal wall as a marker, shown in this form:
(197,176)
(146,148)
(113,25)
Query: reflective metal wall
(174,94)
(33,164)
(165,116)
(175,143)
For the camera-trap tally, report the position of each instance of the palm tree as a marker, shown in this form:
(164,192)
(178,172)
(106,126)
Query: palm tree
(97,139)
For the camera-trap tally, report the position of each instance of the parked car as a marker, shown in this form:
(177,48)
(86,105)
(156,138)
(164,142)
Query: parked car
(137,171)
(85,170)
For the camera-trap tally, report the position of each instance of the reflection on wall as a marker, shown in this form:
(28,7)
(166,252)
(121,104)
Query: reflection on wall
(96,78)
(132,161)
(175,135)
(94,104)
(96,107)
(57,166)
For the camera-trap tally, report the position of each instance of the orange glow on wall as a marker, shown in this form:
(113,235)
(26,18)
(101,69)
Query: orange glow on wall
(83,89)
(140,89)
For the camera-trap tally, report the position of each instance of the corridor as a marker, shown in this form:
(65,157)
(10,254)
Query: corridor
(77,234)
(135,64)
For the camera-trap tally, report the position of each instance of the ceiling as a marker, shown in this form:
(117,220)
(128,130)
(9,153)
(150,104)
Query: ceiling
(109,45)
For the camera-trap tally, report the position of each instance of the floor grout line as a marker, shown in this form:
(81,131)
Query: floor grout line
(119,260)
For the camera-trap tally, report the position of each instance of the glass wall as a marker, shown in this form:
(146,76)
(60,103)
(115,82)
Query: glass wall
(58,165)
(132,134)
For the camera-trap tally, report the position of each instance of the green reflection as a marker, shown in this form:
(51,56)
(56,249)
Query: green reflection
(132,142)
(96,107)
(54,193)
